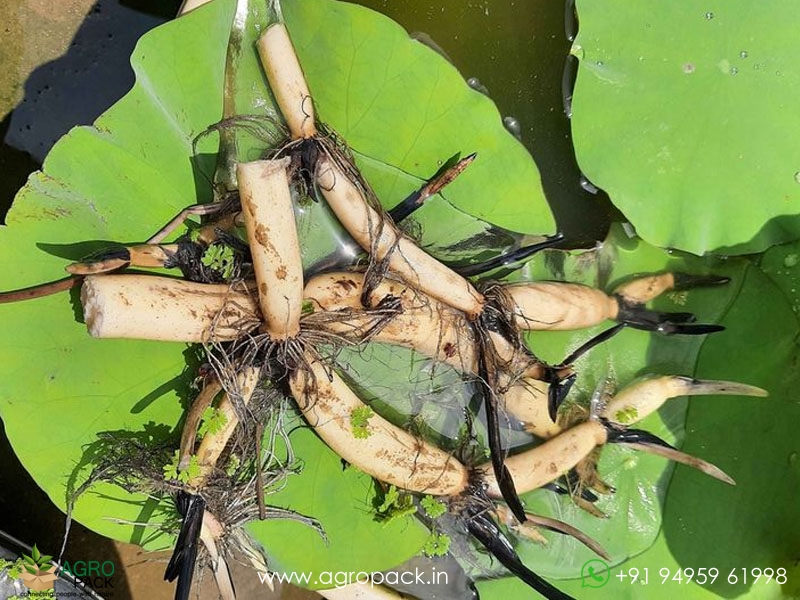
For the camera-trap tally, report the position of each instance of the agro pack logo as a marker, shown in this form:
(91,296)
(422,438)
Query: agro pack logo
(38,574)
(95,574)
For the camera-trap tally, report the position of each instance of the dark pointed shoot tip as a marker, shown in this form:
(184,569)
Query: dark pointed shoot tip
(665,323)
(687,281)
(592,342)
(510,258)
(635,436)
(486,531)
(669,328)
(182,562)
(556,394)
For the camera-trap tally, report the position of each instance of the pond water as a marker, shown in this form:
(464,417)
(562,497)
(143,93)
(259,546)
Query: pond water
(517,50)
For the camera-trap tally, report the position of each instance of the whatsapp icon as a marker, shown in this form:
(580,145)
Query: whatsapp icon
(595,573)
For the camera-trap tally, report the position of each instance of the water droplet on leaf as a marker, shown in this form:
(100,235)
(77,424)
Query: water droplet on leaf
(513,126)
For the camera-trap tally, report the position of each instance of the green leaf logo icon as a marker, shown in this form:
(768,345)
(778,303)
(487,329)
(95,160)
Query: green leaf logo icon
(37,561)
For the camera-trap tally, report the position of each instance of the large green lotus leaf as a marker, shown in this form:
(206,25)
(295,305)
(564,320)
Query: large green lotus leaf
(760,440)
(409,84)
(133,170)
(753,525)
(116,181)
(635,512)
(682,113)
(341,46)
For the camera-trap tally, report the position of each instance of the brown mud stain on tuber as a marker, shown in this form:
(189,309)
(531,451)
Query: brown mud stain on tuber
(262,235)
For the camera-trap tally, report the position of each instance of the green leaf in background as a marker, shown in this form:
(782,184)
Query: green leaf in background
(121,179)
(682,112)
(118,181)
(635,510)
(405,110)
(753,525)
(404,386)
